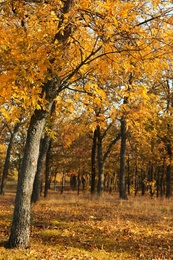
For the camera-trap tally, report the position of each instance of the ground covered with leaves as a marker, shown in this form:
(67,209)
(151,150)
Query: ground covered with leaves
(71,226)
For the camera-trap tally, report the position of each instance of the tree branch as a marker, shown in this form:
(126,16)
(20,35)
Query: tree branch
(110,147)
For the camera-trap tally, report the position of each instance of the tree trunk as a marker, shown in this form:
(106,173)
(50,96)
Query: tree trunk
(169,172)
(122,186)
(158,181)
(168,181)
(44,145)
(47,172)
(143,187)
(78,183)
(93,162)
(20,230)
(63,181)
(7,160)
(100,163)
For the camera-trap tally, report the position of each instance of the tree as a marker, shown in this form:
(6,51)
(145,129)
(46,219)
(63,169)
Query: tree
(20,229)
(54,45)
(7,159)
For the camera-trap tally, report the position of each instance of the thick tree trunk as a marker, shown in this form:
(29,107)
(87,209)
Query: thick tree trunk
(122,186)
(100,163)
(93,162)
(44,145)
(20,230)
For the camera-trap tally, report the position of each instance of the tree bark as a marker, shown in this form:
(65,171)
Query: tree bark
(122,186)
(44,145)
(20,230)
(7,160)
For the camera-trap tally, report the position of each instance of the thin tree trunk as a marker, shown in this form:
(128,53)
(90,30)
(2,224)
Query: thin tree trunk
(47,172)
(100,163)
(158,181)
(7,160)
(93,162)
(150,178)
(169,172)
(44,145)
(161,182)
(122,186)
(63,181)
(168,181)
(143,187)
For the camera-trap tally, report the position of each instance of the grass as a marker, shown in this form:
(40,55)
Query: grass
(83,227)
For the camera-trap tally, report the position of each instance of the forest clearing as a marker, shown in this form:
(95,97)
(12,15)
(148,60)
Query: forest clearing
(71,226)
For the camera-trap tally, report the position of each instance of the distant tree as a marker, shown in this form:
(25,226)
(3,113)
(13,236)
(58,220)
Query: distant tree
(7,159)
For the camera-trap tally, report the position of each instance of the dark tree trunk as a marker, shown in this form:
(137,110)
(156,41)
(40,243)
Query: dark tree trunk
(150,178)
(122,186)
(47,172)
(161,181)
(20,230)
(158,181)
(169,172)
(7,160)
(44,145)
(93,162)
(62,182)
(143,185)
(168,181)
(100,162)
(73,182)
(78,183)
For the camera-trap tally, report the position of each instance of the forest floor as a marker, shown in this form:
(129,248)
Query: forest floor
(70,226)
